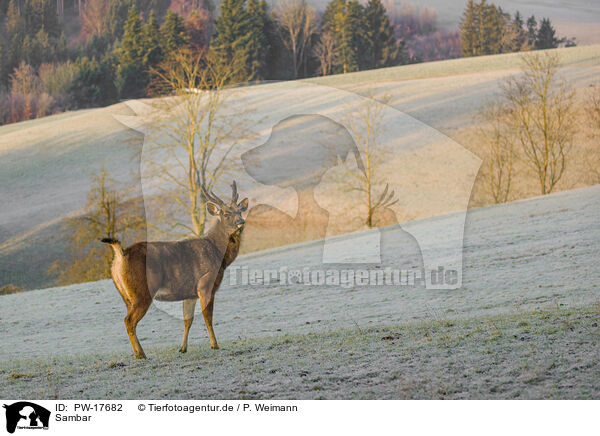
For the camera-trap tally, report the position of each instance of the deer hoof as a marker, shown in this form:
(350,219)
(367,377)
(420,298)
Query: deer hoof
(183,350)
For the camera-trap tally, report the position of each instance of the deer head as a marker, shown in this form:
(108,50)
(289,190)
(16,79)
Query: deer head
(229,215)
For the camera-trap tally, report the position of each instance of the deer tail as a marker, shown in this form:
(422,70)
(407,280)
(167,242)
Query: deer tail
(115,245)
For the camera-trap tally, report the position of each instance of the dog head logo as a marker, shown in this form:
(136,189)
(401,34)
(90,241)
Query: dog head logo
(26,415)
(301,134)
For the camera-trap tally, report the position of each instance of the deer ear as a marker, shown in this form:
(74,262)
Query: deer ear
(212,208)
(243,205)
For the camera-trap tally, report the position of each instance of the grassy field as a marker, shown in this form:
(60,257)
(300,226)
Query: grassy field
(524,324)
(547,354)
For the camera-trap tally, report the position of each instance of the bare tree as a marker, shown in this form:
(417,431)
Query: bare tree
(366,126)
(107,214)
(325,52)
(593,112)
(192,139)
(93,16)
(593,107)
(298,23)
(499,161)
(541,111)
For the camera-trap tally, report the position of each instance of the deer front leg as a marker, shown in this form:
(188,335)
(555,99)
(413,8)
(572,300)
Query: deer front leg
(206,296)
(188,318)
(207,313)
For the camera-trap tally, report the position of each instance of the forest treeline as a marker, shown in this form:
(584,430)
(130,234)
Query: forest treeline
(58,55)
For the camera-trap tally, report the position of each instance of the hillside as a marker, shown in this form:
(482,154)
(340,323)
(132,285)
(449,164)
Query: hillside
(520,257)
(45,164)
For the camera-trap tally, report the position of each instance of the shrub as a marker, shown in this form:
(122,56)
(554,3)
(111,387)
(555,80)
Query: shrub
(56,79)
(24,80)
(11,289)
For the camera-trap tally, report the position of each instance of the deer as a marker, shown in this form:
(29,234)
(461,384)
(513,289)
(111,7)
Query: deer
(187,270)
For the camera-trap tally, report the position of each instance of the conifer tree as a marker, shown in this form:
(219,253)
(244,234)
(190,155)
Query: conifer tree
(3,59)
(15,32)
(130,79)
(482,29)
(152,41)
(532,30)
(41,14)
(118,11)
(546,36)
(382,48)
(492,23)
(232,41)
(258,44)
(344,19)
(469,29)
(173,33)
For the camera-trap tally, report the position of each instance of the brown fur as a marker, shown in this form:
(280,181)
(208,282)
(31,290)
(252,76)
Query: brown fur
(177,271)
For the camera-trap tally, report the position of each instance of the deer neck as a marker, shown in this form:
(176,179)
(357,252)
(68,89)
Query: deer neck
(227,244)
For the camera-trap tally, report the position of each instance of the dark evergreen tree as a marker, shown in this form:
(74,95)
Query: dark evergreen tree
(521,39)
(93,84)
(469,29)
(518,20)
(258,44)
(4,7)
(173,33)
(118,11)
(231,44)
(382,49)
(546,36)
(152,42)
(15,33)
(3,66)
(492,25)
(482,29)
(277,65)
(345,20)
(514,37)
(95,47)
(41,14)
(61,50)
(531,30)
(41,49)
(131,79)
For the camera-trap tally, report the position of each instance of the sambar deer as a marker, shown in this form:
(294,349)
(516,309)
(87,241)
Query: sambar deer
(185,270)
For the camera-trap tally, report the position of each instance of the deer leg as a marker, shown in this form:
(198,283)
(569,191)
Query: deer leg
(188,318)
(134,314)
(207,314)
(206,294)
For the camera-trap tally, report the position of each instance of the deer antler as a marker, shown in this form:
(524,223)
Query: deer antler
(210,196)
(234,193)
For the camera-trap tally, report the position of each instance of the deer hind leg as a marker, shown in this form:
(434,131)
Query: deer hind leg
(188,318)
(135,313)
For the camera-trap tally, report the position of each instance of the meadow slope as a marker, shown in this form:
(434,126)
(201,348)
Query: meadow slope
(551,354)
(519,257)
(45,164)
